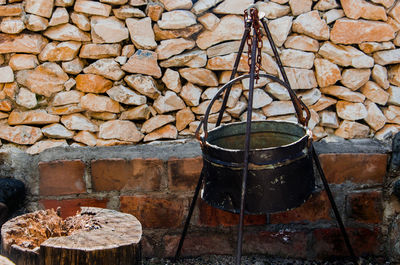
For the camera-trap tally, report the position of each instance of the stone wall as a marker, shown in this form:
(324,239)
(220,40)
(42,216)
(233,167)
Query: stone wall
(122,72)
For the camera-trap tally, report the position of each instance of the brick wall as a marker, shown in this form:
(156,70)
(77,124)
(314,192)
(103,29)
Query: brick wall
(156,184)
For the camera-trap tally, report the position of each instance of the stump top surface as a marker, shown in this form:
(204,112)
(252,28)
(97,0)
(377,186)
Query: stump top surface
(5,261)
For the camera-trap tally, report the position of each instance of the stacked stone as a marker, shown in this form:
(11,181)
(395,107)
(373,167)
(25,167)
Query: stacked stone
(110,72)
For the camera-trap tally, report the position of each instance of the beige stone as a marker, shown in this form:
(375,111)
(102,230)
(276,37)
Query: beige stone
(356,9)
(112,142)
(187,32)
(128,50)
(385,3)
(156,122)
(375,118)
(380,76)
(351,129)
(32,117)
(12,25)
(46,79)
(20,134)
(298,59)
(238,109)
(300,6)
(280,29)
(355,78)
(66,32)
(209,93)
(198,76)
(209,21)
(278,91)
(154,10)
(107,68)
(172,80)
(23,61)
(183,118)
(375,93)
(392,114)
(91,83)
(223,48)
(73,67)
(226,62)
(329,119)
(171,47)
(394,12)
(120,130)
(349,31)
(325,5)
(256,115)
(127,11)
(301,78)
(141,33)
(143,62)
(138,113)
(326,72)
(269,65)
(235,7)
(394,95)
(99,103)
(64,3)
(65,110)
(370,47)
(114,2)
(201,109)
(26,98)
(22,43)
(191,93)
(92,8)
(100,51)
(81,21)
(309,97)
(169,102)
(203,5)
(6,74)
(36,23)
(11,10)
(42,8)
(195,58)
(66,97)
(312,25)
(177,4)
(302,42)
(323,103)
(57,130)
(277,108)
(10,89)
(394,75)
(138,2)
(343,93)
(63,51)
(177,19)
(234,95)
(273,10)
(145,85)
(103,116)
(86,138)
(345,55)
(261,82)
(350,110)
(166,132)
(387,57)
(387,131)
(260,98)
(229,28)
(78,122)
(125,95)
(108,30)
(333,15)
(213,118)
(60,16)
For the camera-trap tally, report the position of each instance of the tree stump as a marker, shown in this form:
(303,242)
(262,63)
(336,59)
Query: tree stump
(5,261)
(94,236)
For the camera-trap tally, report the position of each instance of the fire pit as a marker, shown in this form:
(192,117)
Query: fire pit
(92,236)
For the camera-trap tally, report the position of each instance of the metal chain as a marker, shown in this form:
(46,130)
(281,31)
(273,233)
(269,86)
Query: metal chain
(255,23)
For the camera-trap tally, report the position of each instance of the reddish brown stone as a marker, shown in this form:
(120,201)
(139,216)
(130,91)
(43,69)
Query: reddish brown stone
(183,173)
(155,212)
(365,207)
(357,168)
(119,174)
(69,207)
(210,216)
(316,208)
(62,177)
(328,242)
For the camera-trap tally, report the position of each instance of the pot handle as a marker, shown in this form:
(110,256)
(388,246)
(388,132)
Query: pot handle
(299,105)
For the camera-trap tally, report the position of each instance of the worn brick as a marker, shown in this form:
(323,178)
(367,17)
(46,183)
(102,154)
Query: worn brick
(210,216)
(328,242)
(153,212)
(357,168)
(316,208)
(69,207)
(183,173)
(365,207)
(200,244)
(284,243)
(125,175)
(62,177)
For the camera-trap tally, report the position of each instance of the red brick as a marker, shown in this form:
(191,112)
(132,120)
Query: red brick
(357,168)
(314,209)
(183,173)
(210,216)
(62,177)
(283,243)
(328,242)
(155,212)
(365,207)
(200,244)
(69,207)
(122,175)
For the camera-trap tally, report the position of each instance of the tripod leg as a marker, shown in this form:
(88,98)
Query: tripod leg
(334,207)
(191,209)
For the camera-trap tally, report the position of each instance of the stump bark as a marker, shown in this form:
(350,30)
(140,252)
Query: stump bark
(95,236)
